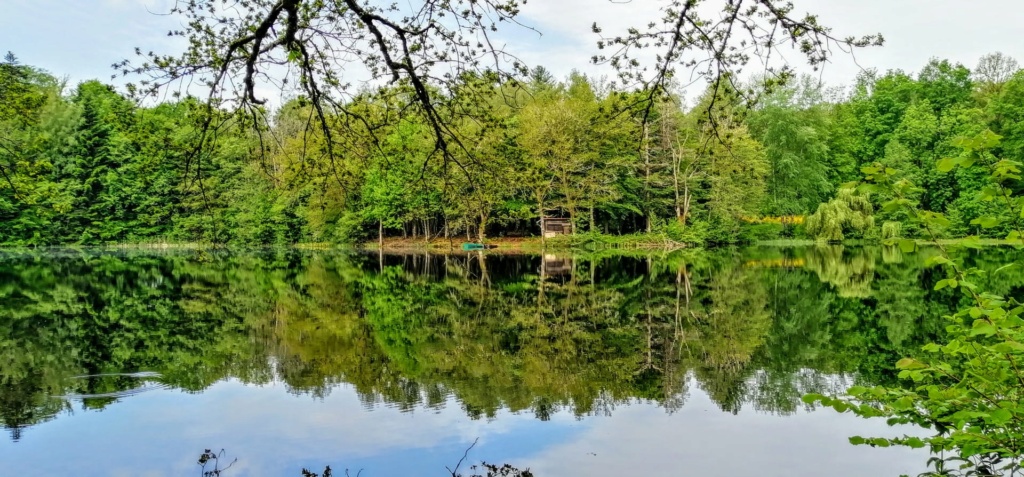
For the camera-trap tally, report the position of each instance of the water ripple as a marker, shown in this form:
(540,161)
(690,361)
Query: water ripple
(149,384)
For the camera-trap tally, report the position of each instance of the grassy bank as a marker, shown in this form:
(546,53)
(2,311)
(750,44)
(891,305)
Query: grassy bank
(962,242)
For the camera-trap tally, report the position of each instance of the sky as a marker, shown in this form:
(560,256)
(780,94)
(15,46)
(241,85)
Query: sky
(81,39)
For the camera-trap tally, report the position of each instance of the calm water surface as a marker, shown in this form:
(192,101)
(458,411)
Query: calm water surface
(115,363)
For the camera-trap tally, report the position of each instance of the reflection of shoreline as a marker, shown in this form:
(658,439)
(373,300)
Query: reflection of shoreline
(776,263)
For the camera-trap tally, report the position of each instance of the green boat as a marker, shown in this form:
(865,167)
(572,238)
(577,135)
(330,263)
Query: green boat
(477,246)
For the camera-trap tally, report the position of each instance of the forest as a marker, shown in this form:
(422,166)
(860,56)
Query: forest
(85,164)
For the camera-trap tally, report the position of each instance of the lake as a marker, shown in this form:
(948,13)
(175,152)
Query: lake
(689,363)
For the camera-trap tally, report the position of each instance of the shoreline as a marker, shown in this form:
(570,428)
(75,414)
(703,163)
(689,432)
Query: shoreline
(512,245)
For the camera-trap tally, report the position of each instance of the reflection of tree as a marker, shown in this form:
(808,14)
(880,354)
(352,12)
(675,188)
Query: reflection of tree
(416,331)
(727,332)
(891,254)
(900,302)
(795,358)
(64,316)
(850,273)
(25,402)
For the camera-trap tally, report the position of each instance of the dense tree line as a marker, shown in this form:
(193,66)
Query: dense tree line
(86,165)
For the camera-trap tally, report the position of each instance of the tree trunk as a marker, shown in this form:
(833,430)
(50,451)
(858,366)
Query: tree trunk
(593,223)
(675,187)
(380,234)
(647,177)
(686,202)
(540,213)
(485,278)
(483,227)
(540,283)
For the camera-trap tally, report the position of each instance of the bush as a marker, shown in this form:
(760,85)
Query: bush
(693,234)
(757,232)
(350,228)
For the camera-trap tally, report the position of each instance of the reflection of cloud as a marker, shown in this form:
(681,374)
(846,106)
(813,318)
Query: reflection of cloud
(272,433)
(702,441)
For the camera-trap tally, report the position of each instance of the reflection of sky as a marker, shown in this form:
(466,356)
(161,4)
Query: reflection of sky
(273,433)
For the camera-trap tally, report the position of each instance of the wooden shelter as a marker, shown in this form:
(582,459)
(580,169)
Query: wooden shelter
(555,265)
(555,226)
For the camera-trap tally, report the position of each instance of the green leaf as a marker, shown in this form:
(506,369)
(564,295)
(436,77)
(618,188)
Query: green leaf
(1000,416)
(1009,347)
(946,164)
(857,440)
(907,245)
(840,406)
(987,139)
(970,241)
(903,404)
(856,390)
(982,327)
(934,219)
(986,222)
(811,398)
(988,193)
(910,364)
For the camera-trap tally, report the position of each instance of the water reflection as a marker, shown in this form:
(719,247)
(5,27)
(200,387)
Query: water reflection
(541,335)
